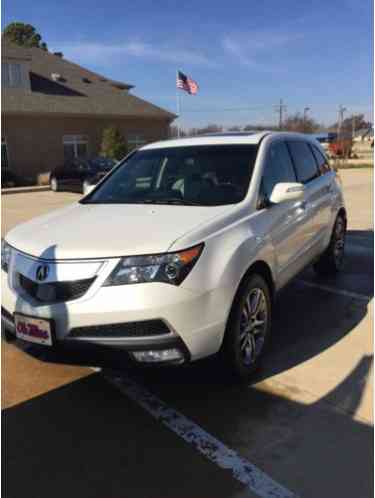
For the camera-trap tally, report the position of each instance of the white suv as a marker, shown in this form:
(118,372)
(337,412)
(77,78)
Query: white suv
(178,252)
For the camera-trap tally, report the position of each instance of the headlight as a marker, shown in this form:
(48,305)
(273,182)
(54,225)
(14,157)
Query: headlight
(171,268)
(6,251)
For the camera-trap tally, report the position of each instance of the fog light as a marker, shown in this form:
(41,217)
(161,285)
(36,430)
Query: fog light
(155,356)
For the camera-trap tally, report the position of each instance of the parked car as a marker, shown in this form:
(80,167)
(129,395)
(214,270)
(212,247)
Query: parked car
(79,174)
(179,252)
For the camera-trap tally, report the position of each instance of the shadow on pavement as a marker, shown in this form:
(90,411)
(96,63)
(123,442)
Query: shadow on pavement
(86,439)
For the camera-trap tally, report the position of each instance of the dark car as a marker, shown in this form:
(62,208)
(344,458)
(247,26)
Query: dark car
(79,174)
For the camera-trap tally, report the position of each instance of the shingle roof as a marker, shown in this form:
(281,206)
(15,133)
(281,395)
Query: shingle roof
(74,91)
(14,52)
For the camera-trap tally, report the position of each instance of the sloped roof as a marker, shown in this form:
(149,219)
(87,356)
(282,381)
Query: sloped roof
(73,90)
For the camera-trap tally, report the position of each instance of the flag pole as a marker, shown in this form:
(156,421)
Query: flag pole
(178,106)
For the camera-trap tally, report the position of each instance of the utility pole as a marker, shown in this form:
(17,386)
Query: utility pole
(342,109)
(353,126)
(340,142)
(280,109)
(305,111)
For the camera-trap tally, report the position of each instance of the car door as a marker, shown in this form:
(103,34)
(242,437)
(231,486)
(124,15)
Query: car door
(82,173)
(316,205)
(73,182)
(284,222)
(65,174)
(326,198)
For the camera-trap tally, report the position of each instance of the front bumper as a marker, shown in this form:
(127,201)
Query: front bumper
(195,320)
(97,353)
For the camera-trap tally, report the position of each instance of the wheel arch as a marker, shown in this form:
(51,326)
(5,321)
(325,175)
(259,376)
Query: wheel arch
(342,212)
(259,267)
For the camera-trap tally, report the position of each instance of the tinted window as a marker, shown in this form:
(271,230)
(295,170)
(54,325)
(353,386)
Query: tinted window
(204,175)
(101,163)
(278,169)
(304,161)
(321,161)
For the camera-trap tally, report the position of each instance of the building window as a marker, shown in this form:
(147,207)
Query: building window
(135,141)
(75,146)
(11,75)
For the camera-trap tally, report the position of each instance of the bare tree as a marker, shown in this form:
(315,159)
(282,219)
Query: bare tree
(299,123)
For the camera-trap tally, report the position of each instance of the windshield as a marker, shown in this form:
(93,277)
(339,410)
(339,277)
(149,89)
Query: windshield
(201,175)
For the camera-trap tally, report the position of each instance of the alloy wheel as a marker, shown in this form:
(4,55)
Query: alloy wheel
(339,242)
(253,326)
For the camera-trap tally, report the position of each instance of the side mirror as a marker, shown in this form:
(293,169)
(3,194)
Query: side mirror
(283,192)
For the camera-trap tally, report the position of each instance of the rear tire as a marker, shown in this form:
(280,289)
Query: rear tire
(332,260)
(54,184)
(248,328)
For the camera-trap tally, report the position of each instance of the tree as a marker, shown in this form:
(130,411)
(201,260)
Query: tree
(210,128)
(360,123)
(173,132)
(24,35)
(297,122)
(113,144)
(255,127)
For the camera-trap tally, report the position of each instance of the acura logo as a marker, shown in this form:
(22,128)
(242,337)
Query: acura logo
(42,272)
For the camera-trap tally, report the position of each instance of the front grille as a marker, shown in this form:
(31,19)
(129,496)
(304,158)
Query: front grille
(145,328)
(54,292)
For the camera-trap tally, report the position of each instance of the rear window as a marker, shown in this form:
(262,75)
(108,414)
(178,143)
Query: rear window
(304,161)
(321,161)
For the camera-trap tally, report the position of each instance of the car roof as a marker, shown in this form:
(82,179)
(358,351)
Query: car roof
(230,138)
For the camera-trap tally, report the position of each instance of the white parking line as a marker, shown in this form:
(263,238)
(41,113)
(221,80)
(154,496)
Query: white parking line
(335,290)
(214,450)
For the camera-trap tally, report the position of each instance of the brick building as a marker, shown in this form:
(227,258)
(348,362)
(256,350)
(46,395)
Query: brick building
(53,110)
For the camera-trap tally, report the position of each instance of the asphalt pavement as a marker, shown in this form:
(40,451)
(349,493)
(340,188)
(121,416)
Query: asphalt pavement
(302,427)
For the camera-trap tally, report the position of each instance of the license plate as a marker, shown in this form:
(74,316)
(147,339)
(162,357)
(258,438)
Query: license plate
(32,329)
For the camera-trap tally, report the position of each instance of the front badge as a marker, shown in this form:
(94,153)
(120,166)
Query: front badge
(42,272)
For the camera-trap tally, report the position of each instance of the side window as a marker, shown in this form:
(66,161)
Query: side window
(304,161)
(278,168)
(321,161)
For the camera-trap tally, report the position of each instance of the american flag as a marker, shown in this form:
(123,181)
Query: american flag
(186,83)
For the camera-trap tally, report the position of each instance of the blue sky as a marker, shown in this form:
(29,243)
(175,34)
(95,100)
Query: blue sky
(244,55)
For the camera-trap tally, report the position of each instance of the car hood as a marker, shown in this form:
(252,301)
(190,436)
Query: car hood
(110,230)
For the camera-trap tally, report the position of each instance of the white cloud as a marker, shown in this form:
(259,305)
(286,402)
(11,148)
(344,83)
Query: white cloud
(250,48)
(105,54)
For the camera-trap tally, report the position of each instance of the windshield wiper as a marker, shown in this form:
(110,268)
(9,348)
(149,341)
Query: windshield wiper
(172,201)
(181,202)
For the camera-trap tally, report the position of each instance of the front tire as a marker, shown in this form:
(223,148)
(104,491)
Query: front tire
(248,328)
(332,260)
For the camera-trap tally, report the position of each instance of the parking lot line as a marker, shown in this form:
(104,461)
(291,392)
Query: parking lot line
(214,450)
(335,290)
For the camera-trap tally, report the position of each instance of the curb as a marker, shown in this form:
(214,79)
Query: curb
(24,190)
